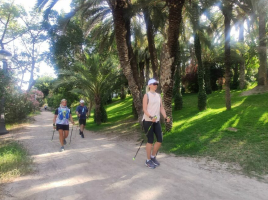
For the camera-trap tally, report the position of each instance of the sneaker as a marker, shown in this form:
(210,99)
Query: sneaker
(65,142)
(82,135)
(62,149)
(156,163)
(79,132)
(150,164)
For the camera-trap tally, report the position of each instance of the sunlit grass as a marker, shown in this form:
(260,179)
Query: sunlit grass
(14,161)
(120,117)
(239,135)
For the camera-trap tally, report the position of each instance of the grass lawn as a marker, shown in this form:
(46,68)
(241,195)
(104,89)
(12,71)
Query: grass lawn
(237,136)
(14,160)
(120,118)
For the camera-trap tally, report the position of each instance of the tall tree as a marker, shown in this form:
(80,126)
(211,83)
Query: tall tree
(262,73)
(227,8)
(169,58)
(119,8)
(202,96)
(9,26)
(242,67)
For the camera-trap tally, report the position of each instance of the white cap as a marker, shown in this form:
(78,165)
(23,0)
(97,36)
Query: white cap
(82,101)
(151,81)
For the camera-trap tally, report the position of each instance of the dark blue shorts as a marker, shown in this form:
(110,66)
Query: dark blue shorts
(62,127)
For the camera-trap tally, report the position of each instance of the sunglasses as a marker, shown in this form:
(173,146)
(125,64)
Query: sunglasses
(155,84)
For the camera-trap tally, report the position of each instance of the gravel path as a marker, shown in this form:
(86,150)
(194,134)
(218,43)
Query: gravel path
(98,168)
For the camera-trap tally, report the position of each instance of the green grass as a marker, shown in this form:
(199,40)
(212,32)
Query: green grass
(206,133)
(120,118)
(14,161)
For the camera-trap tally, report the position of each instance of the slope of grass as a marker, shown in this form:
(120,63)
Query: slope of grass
(238,136)
(14,161)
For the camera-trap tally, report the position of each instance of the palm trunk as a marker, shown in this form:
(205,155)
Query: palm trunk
(131,55)
(169,57)
(236,77)
(207,67)
(147,72)
(151,42)
(118,11)
(97,109)
(262,73)
(227,10)
(242,68)
(202,96)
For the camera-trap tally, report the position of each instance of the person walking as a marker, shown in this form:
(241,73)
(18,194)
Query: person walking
(61,122)
(152,107)
(82,113)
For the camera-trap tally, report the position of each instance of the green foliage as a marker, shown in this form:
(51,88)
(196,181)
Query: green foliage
(18,104)
(14,160)
(44,84)
(54,98)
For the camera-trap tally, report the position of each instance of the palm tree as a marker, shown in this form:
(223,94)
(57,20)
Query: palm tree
(123,41)
(227,8)
(169,56)
(91,79)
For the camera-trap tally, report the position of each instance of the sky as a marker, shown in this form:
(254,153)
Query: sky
(61,6)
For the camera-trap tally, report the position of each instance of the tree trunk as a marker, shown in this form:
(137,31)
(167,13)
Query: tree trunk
(131,55)
(262,73)
(202,96)
(97,109)
(151,42)
(207,67)
(169,55)
(147,73)
(236,76)
(122,47)
(178,102)
(242,68)
(227,11)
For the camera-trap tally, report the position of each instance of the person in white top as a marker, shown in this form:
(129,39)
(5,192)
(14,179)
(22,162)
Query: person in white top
(152,107)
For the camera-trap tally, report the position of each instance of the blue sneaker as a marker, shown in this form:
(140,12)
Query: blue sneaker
(62,149)
(156,163)
(150,164)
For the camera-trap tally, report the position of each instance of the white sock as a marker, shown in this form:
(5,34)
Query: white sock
(152,156)
(147,160)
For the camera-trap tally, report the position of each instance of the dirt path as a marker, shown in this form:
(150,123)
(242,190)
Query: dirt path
(97,168)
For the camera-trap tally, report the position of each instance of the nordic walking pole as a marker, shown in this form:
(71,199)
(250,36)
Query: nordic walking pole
(143,140)
(53,134)
(71,134)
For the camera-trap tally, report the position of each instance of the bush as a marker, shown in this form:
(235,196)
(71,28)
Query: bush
(18,104)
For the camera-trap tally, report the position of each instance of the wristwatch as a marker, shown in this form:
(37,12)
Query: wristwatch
(150,117)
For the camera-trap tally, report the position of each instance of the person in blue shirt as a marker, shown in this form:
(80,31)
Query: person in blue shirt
(61,120)
(82,113)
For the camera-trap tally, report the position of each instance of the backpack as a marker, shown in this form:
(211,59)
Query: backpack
(60,113)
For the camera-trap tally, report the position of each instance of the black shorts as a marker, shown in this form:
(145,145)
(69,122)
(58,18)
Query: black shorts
(82,121)
(62,127)
(155,129)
